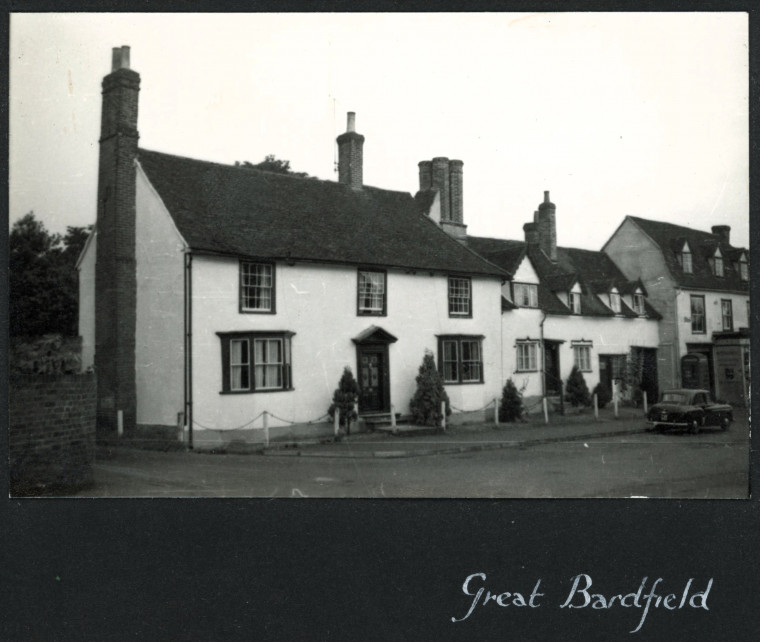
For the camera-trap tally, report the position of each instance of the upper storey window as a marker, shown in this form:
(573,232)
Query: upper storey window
(684,258)
(460,296)
(257,287)
(638,303)
(574,298)
(743,268)
(371,292)
(615,301)
(716,263)
(526,295)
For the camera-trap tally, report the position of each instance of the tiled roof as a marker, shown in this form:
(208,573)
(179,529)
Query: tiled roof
(246,212)
(670,238)
(595,271)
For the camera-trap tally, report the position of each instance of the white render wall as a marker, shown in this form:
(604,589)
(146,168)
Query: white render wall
(713,315)
(159,348)
(86,271)
(318,303)
(609,335)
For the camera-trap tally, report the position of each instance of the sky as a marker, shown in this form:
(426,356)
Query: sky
(615,113)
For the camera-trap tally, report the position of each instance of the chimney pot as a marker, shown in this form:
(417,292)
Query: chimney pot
(546,196)
(120,58)
(351,155)
(547,227)
(351,125)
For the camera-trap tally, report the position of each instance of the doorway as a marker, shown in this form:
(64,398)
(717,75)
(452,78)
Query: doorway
(553,381)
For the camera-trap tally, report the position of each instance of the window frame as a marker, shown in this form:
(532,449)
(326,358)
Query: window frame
(743,269)
(451,299)
(687,265)
(458,340)
(527,343)
(371,312)
(577,349)
(285,366)
(639,308)
(692,298)
(241,288)
(531,288)
(730,316)
(615,296)
(572,299)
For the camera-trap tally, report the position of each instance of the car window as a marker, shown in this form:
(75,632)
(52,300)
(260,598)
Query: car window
(673,397)
(699,398)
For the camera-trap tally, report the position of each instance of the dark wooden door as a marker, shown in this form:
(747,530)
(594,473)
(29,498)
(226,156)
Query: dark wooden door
(372,379)
(551,368)
(605,371)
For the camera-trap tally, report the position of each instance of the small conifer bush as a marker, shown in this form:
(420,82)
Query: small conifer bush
(426,403)
(603,395)
(511,407)
(344,399)
(576,390)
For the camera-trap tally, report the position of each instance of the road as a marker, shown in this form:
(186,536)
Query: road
(674,465)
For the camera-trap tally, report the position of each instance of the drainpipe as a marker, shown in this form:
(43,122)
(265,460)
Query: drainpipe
(188,309)
(543,357)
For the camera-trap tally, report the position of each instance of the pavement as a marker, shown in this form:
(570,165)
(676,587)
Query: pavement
(415,441)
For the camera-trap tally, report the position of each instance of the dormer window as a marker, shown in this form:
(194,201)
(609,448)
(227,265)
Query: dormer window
(574,300)
(684,258)
(743,268)
(615,301)
(526,295)
(638,303)
(716,263)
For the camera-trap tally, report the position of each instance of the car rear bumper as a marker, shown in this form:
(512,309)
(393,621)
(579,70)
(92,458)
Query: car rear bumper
(654,424)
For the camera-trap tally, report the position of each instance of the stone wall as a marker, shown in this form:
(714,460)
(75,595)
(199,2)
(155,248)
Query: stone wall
(51,432)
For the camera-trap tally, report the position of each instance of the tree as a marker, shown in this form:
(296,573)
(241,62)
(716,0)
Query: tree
(511,407)
(272,164)
(344,399)
(576,391)
(43,279)
(426,403)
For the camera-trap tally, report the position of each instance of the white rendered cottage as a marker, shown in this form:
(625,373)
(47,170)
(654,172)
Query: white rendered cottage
(210,293)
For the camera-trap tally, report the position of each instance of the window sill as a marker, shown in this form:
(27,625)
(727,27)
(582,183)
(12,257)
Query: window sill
(244,311)
(362,313)
(254,392)
(462,383)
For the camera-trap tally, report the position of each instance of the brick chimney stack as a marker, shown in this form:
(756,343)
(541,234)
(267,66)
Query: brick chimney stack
(441,183)
(723,232)
(547,227)
(426,175)
(457,196)
(531,233)
(115,278)
(351,155)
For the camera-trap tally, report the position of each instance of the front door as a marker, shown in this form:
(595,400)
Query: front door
(373,378)
(551,368)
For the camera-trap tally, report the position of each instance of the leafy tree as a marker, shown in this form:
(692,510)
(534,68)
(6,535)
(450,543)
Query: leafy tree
(511,408)
(426,403)
(344,399)
(272,164)
(576,391)
(43,279)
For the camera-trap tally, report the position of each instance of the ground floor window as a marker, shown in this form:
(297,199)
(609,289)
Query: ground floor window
(460,358)
(256,361)
(527,356)
(582,356)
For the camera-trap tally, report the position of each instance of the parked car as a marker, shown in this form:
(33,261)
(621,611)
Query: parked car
(690,409)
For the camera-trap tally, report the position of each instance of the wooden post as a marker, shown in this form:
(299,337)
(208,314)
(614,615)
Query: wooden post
(119,422)
(393,417)
(644,393)
(266,428)
(546,411)
(596,407)
(443,415)
(336,422)
(181,426)
(561,397)
(496,410)
(615,397)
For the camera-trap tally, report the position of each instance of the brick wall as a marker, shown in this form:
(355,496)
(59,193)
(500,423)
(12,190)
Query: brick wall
(51,432)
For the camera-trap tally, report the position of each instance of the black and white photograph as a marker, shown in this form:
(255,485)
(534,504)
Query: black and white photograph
(329,255)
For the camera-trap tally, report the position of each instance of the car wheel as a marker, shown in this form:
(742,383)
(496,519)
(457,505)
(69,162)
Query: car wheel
(725,423)
(694,426)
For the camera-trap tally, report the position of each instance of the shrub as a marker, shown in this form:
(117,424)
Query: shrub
(426,403)
(576,391)
(603,395)
(344,399)
(511,408)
